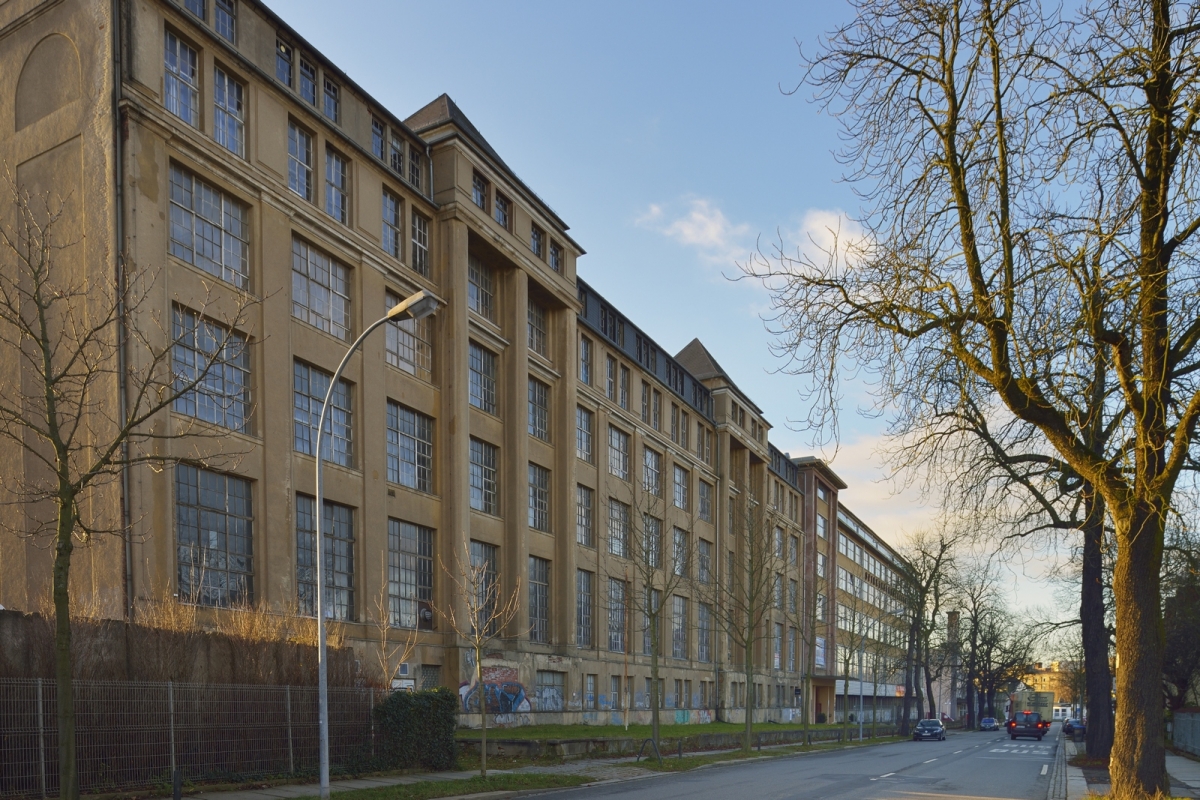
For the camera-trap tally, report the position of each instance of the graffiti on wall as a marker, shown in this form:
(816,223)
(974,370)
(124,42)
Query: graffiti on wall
(503,693)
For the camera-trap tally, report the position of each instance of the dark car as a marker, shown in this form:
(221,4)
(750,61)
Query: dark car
(989,724)
(929,729)
(1027,723)
(1074,726)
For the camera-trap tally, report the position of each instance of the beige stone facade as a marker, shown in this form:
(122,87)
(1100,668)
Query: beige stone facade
(528,422)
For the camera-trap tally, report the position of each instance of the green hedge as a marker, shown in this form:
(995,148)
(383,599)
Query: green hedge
(417,729)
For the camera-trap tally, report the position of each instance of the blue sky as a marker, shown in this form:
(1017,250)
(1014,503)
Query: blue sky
(660,133)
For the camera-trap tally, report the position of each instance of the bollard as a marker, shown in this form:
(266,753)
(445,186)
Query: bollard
(681,748)
(177,785)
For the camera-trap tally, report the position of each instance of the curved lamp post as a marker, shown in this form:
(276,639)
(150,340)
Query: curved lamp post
(417,306)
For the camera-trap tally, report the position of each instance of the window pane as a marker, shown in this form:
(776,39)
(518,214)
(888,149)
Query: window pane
(208,228)
(320,290)
(214,540)
(337,525)
(181,94)
(309,387)
(409,448)
(221,395)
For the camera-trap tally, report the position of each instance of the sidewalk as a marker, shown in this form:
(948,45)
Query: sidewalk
(1184,771)
(1184,775)
(293,790)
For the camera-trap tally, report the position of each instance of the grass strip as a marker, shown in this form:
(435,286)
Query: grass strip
(475,785)
(635,731)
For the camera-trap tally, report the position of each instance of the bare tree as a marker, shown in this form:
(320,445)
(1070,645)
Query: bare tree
(742,599)
(478,612)
(661,567)
(389,613)
(930,558)
(1027,176)
(853,626)
(95,370)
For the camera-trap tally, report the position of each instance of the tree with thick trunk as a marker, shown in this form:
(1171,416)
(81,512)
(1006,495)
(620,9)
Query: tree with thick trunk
(1026,176)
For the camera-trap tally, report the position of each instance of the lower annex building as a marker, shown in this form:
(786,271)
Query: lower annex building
(528,425)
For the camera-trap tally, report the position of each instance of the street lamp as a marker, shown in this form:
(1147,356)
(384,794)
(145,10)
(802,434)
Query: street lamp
(414,307)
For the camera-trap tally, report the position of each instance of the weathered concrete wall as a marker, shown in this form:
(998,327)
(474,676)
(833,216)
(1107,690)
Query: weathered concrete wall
(112,650)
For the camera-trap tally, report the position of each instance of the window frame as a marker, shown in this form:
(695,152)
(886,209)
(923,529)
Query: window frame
(481,368)
(540,487)
(408,432)
(484,479)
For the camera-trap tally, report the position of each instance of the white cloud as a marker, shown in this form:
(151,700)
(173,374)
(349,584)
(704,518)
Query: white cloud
(820,232)
(703,227)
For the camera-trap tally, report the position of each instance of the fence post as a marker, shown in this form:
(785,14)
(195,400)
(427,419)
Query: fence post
(171,723)
(371,716)
(41,740)
(291,758)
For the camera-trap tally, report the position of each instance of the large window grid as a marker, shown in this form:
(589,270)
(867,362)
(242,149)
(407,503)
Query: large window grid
(584,420)
(482,366)
(681,495)
(679,627)
(704,633)
(483,477)
(679,552)
(409,448)
(393,220)
(537,329)
(618,452)
(652,541)
(618,528)
(539,600)
(181,91)
(337,186)
(652,471)
(616,615)
(585,360)
(539,498)
(706,495)
(309,386)
(300,161)
(485,558)
(409,343)
(479,190)
(209,229)
(308,82)
(584,594)
(214,519)
(338,528)
(539,410)
(585,530)
(229,119)
(704,561)
(410,574)
(332,106)
(414,168)
(480,291)
(420,244)
(320,290)
(222,395)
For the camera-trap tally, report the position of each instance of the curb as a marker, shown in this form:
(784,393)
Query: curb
(1076,783)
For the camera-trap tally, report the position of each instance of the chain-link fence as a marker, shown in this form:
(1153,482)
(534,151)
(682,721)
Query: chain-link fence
(134,734)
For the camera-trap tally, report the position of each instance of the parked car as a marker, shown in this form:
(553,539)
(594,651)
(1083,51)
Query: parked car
(989,724)
(929,729)
(1074,726)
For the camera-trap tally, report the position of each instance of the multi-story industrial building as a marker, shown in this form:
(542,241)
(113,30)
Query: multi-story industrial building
(528,425)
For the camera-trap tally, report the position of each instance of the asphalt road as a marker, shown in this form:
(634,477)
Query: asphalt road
(974,765)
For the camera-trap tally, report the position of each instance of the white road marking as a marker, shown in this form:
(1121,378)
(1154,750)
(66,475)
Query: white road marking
(888,775)
(956,752)
(930,761)
(1044,768)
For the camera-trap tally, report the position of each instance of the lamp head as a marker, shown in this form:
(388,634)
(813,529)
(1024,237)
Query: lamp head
(416,306)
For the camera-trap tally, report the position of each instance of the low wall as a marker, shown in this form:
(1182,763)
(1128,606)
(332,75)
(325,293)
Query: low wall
(110,650)
(1186,730)
(637,716)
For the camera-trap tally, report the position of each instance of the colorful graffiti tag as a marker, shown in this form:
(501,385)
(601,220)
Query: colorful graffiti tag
(502,692)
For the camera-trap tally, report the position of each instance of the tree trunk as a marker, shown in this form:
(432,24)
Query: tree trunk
(908,686)
(654,699)
(68,777)
(1138,759)
(751,695)
(482,711)
(1095,633)
(970,722)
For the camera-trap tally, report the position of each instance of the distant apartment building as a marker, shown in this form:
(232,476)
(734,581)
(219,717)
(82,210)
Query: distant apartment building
(528,425)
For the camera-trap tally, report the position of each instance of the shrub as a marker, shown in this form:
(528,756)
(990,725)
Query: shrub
(820,717)
(417,729)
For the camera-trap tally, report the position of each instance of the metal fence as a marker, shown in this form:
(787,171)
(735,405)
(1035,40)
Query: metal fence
(134,734)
